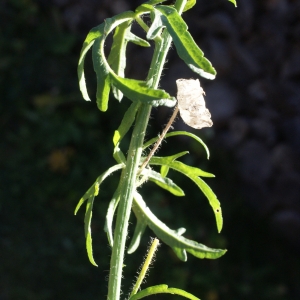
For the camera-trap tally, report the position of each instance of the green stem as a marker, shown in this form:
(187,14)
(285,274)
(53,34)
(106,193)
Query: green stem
(128,180)
(145,267)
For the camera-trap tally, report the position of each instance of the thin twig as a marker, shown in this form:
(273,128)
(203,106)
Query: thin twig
(161,137)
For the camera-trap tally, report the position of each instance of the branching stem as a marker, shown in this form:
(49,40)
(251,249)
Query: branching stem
(159,141)
(128,180)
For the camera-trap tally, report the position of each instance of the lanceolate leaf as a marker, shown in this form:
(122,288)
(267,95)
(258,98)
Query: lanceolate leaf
(178,243)
(162,289)
(103,79)
(163,182)
(97,32)
(193,173)
(141,225)
(90,196)
(137,90)
(110,216)
(185,45)
(88,231)
(173,133)
(126,123)
(171,162)
(117,55)
(88,43)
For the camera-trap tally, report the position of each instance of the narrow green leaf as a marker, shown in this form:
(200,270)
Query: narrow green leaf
(91,192)
(110,216)
(193,174)
(162,289)
(154,2)
(87,230)
(117,55)
(95,32)
(212,199)
(126,123)
(189,5)
(137,90)
(137,40)
(119,156)
(185,45)
(156,26)
(94,189)
(164,170)
(234,2)
(103,79)
(173,238)
(163,182)
(98,32)
(173,133)
(90,196)
(140,227)
(170,161)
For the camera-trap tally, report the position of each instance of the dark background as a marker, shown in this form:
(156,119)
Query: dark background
(54,145)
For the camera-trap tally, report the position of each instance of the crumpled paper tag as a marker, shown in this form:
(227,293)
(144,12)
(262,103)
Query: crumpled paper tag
(191,103)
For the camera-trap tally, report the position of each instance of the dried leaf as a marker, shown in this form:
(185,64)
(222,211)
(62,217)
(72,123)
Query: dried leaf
(191,103)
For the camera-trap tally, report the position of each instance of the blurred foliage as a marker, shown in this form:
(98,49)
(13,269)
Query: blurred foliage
(53,144)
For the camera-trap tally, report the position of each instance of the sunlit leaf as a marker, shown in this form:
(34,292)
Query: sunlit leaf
(95,33)
(154,2)
(185,45)
(141,225)
(103,79)
(162,289)
(234,2)
(117,55)
(178,243)
(88,231)
(163,182)
(90,196)
(126,123)
(110,216)
(193,173)
(156,26)
(174,133)
(189,5)
(138,90)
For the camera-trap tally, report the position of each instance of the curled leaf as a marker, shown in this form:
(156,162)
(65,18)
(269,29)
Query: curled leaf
(193,173)
(178,243)
(162,289)
(90,196)
(174,133)
(163,182)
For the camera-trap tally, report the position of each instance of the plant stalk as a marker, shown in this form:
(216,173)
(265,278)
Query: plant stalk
(128,180)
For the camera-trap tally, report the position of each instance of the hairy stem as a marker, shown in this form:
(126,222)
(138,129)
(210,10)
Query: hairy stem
(145,267)
(128,180)
(161,137)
